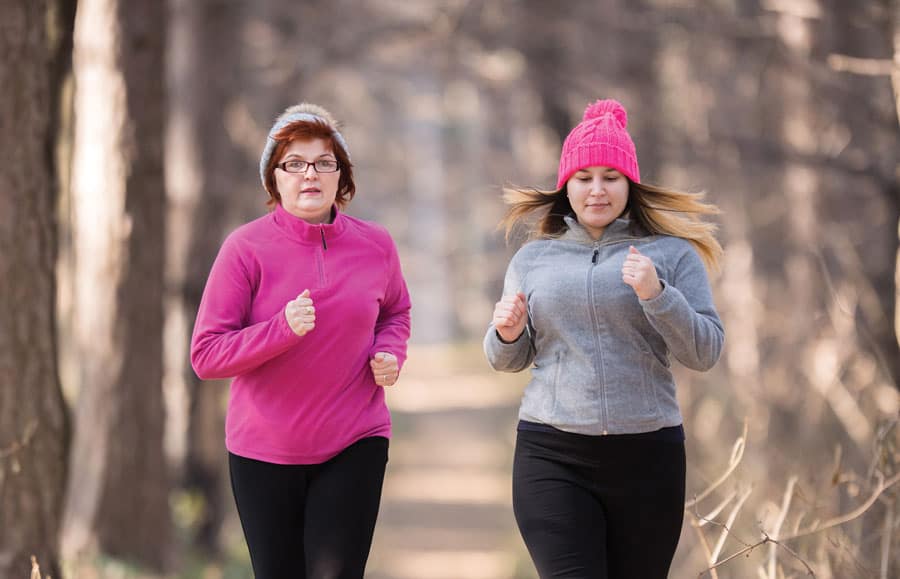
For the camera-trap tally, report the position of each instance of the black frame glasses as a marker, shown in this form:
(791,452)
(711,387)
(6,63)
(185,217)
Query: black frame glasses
(300,166)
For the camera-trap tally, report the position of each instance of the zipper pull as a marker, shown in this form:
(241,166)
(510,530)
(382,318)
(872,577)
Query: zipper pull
(322,231)
(596,254)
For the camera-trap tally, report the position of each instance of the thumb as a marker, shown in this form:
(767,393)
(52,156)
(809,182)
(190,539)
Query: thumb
(305,294)
(521,296)
(633,250)
(379,357)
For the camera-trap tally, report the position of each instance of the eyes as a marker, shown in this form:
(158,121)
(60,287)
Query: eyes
(608,177)
(298,166)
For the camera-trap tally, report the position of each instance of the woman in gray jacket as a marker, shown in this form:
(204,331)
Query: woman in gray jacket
(613,281)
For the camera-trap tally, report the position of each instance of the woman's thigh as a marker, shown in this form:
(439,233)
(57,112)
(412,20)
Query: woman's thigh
(562,522)
(645,510)
(342,507)
(270,500)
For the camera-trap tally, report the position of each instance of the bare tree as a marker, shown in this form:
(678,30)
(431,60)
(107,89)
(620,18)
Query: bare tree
(118,493)
(35,56)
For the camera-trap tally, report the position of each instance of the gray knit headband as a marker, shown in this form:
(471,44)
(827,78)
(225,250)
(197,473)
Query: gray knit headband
(284,120)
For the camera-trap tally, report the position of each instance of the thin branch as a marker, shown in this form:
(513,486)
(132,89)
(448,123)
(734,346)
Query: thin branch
(708,518)
(737,453)
(743,551)
(886,540)
(882,486)
(776,529)
(705,544)
(702,521)
(881,436)
(725,530)
(766,539)
(796,556)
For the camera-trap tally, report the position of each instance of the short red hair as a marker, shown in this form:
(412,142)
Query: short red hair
(308,131)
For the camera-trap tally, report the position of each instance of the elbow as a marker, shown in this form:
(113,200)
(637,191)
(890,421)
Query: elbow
(202,364)
(201,369)
(704,364)
(493,362)
(707,358)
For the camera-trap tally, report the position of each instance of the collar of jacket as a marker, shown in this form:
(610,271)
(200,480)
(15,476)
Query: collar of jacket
(301,230)
(618,230)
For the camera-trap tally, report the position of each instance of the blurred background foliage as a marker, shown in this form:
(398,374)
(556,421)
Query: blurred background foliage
(132,133)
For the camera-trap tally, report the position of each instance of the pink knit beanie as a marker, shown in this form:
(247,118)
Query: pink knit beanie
(600,139)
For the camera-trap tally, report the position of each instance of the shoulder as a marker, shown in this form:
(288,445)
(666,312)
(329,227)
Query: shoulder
(672,245)
(371,232)
(260,230)
(681,258)
(532,251)
(261,227)
(369,228)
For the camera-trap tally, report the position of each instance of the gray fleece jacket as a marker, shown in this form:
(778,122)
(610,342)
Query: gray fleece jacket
(599,355)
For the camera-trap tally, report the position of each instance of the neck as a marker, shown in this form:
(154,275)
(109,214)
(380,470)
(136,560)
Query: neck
(594,232)
(326,217)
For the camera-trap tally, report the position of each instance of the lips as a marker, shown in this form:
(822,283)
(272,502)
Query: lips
(311,191)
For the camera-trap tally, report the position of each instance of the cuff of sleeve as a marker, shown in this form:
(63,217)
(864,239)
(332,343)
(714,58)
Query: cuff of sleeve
(504,342)
(401,359)
(666,298)
(285,327)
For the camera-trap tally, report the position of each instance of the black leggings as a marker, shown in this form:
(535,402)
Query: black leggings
(592,507)
(311,521)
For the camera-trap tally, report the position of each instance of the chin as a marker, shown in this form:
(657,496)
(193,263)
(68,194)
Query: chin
(310,208)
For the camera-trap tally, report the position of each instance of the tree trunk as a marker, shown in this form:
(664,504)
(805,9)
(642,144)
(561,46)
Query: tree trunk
(118,500)
(210,178)
(34,430)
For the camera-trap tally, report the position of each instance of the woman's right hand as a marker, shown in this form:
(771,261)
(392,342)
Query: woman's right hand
(510,316)
(301,314)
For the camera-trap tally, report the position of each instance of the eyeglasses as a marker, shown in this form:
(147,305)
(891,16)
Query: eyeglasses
(321,166)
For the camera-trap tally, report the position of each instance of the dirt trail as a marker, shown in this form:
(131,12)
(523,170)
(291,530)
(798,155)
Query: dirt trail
(446,511)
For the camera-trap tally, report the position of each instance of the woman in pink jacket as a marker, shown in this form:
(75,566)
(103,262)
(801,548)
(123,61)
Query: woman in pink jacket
(307,309)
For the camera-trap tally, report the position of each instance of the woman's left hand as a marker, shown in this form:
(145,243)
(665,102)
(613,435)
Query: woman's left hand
(639,272)
(385,368)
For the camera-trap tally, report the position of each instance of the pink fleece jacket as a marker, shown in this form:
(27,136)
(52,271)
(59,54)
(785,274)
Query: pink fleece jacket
(301,400)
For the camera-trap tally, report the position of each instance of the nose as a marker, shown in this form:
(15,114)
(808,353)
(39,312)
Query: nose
(310,167)
(597,186)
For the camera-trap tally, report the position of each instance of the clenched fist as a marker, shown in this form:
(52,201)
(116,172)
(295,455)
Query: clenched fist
(510,316)
(638,272)
(301,314)
(385,368)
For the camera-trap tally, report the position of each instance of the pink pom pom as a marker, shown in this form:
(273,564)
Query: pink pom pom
(607,107)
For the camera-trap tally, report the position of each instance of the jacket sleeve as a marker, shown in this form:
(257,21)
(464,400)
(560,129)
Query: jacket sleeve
(393,324)
(222,345)
(513,356)
(685,316)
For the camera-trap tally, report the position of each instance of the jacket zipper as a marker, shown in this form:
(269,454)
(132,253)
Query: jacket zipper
(320,258)
(590,289)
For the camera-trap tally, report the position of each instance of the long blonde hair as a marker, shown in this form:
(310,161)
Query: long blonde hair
(654,209)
